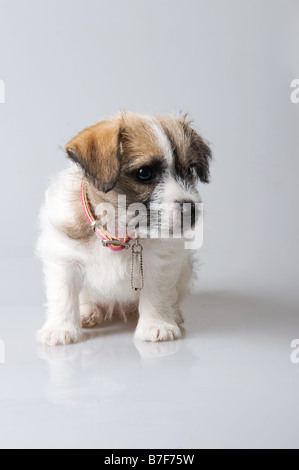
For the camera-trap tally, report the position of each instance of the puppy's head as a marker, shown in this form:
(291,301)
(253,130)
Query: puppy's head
(156,161)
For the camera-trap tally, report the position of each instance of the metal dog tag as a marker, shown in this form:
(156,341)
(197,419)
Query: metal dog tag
(137,277)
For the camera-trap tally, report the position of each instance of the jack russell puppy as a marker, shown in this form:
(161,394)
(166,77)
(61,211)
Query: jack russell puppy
(95,265)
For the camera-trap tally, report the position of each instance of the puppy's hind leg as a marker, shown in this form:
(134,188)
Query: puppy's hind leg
(63,285)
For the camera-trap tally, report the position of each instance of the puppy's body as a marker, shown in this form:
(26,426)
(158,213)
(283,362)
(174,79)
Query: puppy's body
(85,280)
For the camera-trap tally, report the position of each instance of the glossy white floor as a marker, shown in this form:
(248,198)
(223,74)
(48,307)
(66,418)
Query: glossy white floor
(228,383)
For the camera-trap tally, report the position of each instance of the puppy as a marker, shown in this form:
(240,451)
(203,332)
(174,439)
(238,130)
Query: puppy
(137,159)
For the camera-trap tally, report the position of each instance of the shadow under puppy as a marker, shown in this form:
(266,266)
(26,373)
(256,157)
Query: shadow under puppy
(154,160)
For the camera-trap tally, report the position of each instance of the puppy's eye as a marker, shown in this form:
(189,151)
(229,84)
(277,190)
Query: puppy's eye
(145,174)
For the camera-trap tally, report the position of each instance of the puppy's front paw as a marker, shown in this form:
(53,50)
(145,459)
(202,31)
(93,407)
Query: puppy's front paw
(156,330)
(58,336)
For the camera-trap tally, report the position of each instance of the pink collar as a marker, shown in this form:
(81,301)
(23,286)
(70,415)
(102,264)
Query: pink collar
(119,243)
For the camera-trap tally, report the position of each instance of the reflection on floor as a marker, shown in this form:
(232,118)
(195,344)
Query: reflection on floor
(228,383)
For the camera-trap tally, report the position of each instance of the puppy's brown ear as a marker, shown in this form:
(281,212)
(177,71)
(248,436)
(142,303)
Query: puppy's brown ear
(97,150)
(201,153)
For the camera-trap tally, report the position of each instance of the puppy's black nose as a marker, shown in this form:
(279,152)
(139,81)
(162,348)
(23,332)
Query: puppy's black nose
(189,210)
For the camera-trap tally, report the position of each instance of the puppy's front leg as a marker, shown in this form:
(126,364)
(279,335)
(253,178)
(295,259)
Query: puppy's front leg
(63,284)
(158,309)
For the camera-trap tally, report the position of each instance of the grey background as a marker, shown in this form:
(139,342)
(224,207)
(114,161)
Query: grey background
(68,63)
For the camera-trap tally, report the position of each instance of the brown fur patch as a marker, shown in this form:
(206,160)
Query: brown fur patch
(96,150)
(138,138)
